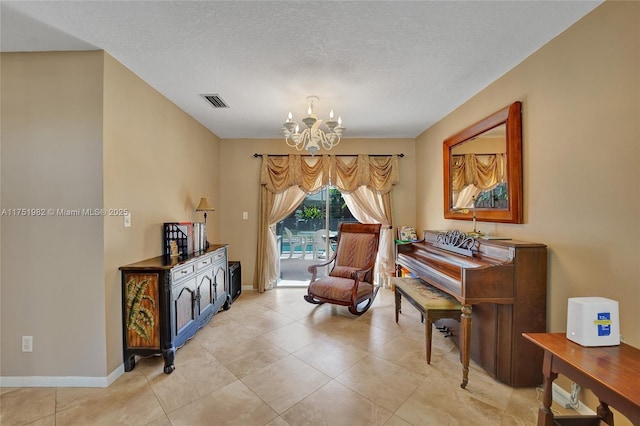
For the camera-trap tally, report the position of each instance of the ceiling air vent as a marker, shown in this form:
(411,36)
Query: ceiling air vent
(216,101)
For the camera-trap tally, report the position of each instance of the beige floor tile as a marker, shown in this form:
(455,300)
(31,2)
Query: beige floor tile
(129,400)
(381,317)
(292,308)
(239,310)
(224,336)
(245,358)
(520,411)
(45,421)
(234,404)
(197,374)
(440,400)
(336,405)
(278,421)
(406,353)
(264,320)
(364,336)
(161,420)
(386,384)
(327,319)
(293,337)
(330,356)
(284,383)
(7,390)
(19,406)
(397,421)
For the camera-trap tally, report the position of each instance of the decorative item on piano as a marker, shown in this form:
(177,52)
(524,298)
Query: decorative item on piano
(464,210)
(407,234)
(475,232)
(458,242)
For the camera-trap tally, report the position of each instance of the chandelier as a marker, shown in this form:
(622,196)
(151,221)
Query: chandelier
(313,137)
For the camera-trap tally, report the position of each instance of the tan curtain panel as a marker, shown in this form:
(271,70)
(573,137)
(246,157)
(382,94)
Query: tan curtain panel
(484,171)
(369,206)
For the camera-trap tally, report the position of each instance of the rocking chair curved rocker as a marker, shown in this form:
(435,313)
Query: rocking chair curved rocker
(350,282)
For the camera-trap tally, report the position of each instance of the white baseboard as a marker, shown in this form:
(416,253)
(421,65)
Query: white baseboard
(61,381)
(562,398)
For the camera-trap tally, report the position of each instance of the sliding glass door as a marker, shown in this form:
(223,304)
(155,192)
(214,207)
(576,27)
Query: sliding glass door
(308,235)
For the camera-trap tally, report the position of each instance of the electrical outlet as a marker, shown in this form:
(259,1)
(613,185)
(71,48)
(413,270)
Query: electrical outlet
(27,343)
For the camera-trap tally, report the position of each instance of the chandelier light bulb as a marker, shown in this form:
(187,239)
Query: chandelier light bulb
(290,117)
(331,114)
(339,121)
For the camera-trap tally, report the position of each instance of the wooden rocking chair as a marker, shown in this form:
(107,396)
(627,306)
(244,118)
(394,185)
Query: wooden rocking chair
(350,281)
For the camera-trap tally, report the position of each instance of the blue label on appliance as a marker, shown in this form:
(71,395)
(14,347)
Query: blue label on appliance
(604,323)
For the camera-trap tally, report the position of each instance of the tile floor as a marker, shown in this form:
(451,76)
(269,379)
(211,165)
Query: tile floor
(273,359)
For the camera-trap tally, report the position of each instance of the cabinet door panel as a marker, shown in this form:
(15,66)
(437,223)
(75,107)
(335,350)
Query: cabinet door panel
(183,298)
(205,291)
(220,280)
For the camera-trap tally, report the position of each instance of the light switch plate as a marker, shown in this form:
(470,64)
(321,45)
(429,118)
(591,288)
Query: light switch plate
(127,220)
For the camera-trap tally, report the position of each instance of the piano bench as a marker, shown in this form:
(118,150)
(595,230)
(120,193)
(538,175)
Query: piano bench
(434,304)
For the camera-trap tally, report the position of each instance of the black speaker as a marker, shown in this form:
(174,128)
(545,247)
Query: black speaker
(235,281)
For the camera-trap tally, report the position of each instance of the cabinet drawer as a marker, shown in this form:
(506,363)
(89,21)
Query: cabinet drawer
(219,256)
(204,262)
(179,274)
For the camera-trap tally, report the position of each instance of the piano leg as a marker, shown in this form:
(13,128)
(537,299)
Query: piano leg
(465,343)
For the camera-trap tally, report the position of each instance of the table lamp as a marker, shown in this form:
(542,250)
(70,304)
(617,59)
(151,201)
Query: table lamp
(205,207)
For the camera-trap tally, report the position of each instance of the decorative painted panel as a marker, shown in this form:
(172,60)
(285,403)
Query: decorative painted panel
(142,311)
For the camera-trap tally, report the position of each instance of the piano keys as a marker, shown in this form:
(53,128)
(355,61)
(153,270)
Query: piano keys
(502,286)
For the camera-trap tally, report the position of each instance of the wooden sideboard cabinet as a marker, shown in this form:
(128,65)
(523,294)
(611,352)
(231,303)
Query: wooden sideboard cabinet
(166,300)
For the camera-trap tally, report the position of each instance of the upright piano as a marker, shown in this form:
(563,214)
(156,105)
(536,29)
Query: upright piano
(502,286)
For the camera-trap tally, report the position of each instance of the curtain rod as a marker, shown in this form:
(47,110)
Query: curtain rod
(256,155)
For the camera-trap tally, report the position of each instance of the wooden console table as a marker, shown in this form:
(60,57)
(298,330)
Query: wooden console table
(612,373)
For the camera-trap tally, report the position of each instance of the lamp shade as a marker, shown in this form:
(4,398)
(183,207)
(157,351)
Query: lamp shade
(204,205)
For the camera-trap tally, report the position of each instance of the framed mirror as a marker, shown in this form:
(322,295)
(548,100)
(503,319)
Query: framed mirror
(483,166)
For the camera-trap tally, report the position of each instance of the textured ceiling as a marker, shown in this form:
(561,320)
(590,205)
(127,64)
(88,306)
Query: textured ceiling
(390,69)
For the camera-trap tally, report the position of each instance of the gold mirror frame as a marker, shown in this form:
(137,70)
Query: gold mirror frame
(512,117)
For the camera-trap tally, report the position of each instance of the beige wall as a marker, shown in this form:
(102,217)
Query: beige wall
(52,266)
(581,133)
(158,162)
(82,131)
(240,177)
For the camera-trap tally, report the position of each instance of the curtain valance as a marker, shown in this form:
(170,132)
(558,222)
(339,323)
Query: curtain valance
(378,173)
(484,171)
